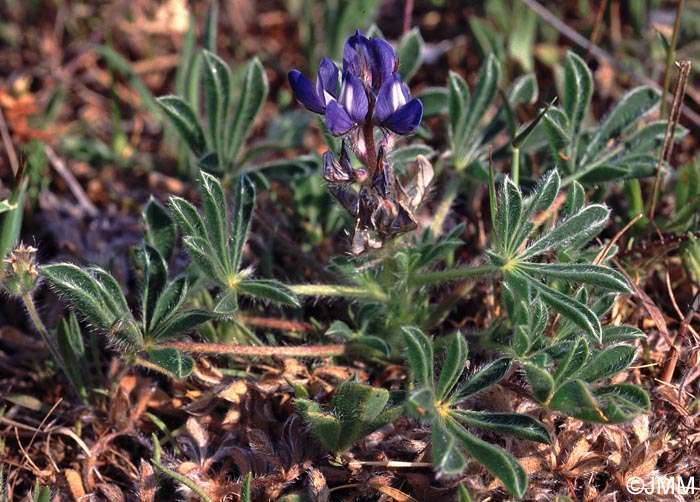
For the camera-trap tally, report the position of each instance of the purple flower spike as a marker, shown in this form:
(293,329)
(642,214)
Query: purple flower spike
(315,98)
(350,109)
(395,109)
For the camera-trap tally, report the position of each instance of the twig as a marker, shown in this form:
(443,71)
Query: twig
(672,359)
(73,184)
(670,131)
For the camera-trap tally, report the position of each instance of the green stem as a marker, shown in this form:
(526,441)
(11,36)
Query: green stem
(670,55)
(257,350)
(333,290)
(515,167)
(184,480)
(452,274)
(39,325)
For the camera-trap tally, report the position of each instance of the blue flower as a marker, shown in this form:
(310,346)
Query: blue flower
(395,109)
(371,60)
(316,98)
(351,107)
(370,90)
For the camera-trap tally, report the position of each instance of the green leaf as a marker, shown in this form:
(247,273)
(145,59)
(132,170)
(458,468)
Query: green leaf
(185,121)
(495,460)
(269,290)
(325,426)
(409,54)
(217,86)
(421,403)
(556,127)
(72,350)
(419,349)
(583,273)
(168,302)
(585,224)
(111,293)
(187,217)
(512,424)
(509,212)
(541,382)
(575,399)
(482,98)
(463,494)
(604,173)
(453,367)
(608,362)
(357,406)
(435,101)
(578,89)
(226,304)
(458,101)
(203,256)
(155,279)
(448,459)
(252,96)
(161,232)
(245,495)
(214,203)
(180,323)
(622,402)
(244,205)
(634,105)
(575,199)
(573,361)
(487,376)
(543,195)
(82,292)
(622,333)
(172,360)
(570,308)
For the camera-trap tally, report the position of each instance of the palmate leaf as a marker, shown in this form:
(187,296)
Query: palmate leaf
(572,361)
(188,219)
(495,460)
(155,273)
(179,323)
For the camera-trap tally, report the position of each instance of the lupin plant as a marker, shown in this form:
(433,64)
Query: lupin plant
(369,97)
(562,353)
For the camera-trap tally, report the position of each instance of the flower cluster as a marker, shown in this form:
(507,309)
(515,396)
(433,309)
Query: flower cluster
(371,91)
(370,94)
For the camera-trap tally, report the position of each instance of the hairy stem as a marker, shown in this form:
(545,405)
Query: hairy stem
(258,350)
(332,290)
(452,274)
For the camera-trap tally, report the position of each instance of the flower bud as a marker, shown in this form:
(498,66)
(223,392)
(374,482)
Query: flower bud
(20,274)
